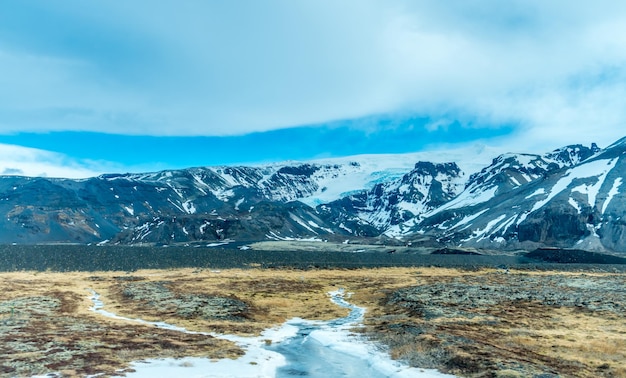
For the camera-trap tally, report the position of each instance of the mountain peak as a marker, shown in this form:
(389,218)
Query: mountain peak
(574,194)
(620,142)
(430,168)
(572,154)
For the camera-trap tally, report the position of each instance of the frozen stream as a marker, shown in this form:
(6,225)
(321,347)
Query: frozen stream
(298,348)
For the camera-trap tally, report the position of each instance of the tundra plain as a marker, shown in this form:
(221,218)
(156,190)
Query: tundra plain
(468,322)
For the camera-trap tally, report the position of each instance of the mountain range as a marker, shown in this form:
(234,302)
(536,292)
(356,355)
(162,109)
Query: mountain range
(568,198)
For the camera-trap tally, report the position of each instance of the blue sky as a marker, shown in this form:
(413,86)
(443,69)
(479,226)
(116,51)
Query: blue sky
(141,152)
(92,87)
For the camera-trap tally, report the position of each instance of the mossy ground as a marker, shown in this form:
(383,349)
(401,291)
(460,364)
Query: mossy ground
(445,320)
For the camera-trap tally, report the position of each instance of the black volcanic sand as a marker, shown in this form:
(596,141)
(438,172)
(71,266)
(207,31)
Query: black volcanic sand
(573,256)
(126,258)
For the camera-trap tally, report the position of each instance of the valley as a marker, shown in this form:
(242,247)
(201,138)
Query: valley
(515,269)
(318,189)
(479,322)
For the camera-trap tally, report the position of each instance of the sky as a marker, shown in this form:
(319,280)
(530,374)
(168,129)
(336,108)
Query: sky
(121,86)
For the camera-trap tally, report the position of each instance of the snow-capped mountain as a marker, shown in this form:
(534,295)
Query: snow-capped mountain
(570,197)
(523,201)
(509,171)
(387,205)
(193,204)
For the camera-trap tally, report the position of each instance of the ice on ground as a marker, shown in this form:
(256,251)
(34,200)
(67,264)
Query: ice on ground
(257,361)
(345,352)
(246,366)
(260,361)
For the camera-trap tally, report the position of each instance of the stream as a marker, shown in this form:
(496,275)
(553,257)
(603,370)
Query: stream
(298,348)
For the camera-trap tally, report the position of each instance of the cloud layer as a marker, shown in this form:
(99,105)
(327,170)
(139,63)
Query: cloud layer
(556,70)
(21,161)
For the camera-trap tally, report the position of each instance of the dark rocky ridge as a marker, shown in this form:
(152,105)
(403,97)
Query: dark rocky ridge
(577,205)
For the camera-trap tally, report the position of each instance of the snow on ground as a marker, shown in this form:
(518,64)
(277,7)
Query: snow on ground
(505,225)
(274,236)
(313,224)
(176,205)
(260,361)
(593,189)
(218,244)
(257,362)
(301,223)
(189,207)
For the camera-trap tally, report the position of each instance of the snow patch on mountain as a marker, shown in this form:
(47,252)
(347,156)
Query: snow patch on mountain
(467,199)
(597,169)
(575,205)
(592,190)
(189,207)
(536,193)
(481,234)
(467,219)
(612,193)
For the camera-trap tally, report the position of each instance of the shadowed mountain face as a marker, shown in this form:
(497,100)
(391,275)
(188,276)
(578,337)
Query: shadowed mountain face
(172,206)
(571,197)
(523,201)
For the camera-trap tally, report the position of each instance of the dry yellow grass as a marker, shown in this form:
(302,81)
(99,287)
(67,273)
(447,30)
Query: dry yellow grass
(568,340)
(573,341)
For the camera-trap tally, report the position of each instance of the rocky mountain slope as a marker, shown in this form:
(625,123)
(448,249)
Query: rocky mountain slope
(187,205)
(388,205)
(570,197)
(523,201)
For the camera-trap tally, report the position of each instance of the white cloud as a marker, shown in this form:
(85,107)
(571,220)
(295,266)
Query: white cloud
(557,68)
(22,161)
